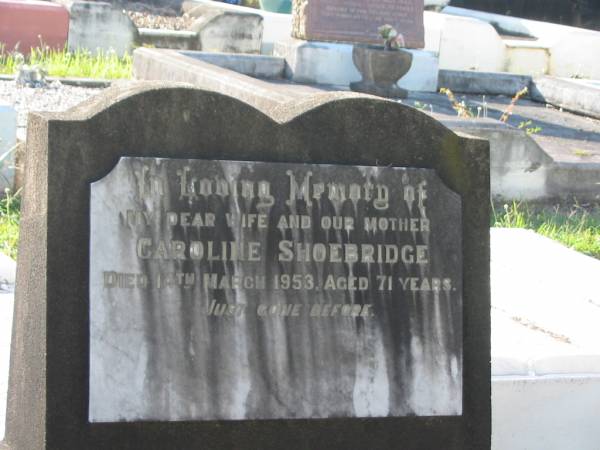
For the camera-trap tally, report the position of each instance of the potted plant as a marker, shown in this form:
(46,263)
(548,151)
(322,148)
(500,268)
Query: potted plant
(382,67)
(278,6)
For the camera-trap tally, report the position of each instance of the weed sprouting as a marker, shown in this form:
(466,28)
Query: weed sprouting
(529,128)
(461,108)
(508,111)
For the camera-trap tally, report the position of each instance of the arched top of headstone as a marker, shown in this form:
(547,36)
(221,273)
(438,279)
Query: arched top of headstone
(122,96)
(178,120)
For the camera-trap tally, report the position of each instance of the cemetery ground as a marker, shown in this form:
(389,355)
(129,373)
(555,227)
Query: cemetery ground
(69,64)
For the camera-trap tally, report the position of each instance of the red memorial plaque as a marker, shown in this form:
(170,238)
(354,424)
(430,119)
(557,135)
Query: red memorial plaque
(357,21)
(31,24)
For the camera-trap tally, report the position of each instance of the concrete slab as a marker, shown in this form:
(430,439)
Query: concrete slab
(568,131)
(8,140)
(570,57)
(558,50)
(257,66)
(582,97)
(519,167)
(468,44)
(545,413)
(550,294)
(155,64)
(545,344)
(505,25)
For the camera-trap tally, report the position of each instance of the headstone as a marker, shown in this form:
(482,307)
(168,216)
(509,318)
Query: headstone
(275,26)
(99,26)
(215,266)
(357,21)
(225,31)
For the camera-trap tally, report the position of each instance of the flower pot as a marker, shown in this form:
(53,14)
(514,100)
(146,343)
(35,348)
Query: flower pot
(278,6)
(380,69)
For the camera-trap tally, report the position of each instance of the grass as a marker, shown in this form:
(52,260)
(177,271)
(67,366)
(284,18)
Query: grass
(10,216)
(64,63)
(576,226)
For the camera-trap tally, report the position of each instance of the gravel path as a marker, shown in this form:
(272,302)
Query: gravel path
(165,17)
(160,21)
(55,97)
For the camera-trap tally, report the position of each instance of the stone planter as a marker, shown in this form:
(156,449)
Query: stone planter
(380,69)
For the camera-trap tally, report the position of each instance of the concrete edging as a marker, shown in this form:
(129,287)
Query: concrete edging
(173,39)
(482,83)
(568,94)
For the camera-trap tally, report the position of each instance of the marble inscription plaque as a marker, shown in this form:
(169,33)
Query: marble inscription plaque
(357,21)
(224,290)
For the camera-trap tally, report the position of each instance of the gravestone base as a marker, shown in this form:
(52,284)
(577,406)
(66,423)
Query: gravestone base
(330,63)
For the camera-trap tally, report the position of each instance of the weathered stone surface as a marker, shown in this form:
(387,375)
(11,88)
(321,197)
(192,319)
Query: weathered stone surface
(49,395)
(99,26)
(275,26)
(212,72)
(243,290)
(483,83)
(175,39)
(357,20)
(571,95)
(256,66)
(226,31)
